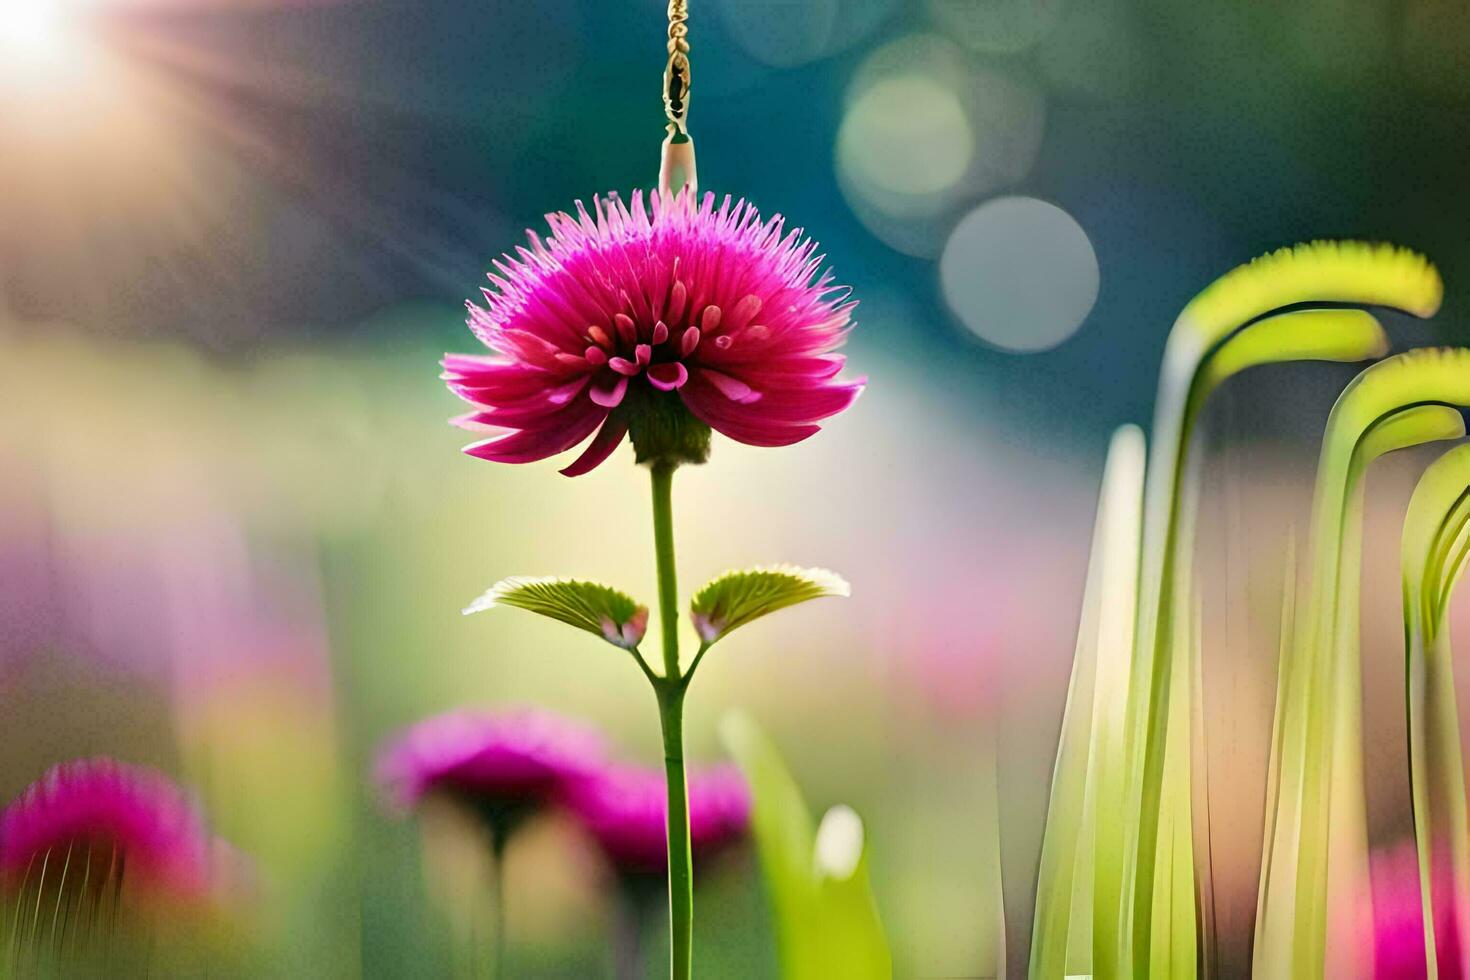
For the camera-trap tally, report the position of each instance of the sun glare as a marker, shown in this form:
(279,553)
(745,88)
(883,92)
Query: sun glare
(34,32)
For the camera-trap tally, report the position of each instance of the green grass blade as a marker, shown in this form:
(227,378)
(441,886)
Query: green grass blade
(826,919)
(855,945)
(1321,272)
(1088,766)
(1316,872)
(1435,528)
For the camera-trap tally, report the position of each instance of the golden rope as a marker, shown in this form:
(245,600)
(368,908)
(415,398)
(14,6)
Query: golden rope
(676,73)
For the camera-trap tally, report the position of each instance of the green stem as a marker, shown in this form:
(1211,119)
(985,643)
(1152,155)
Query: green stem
(497,912)
(668,582)
(681,872)
(670,694)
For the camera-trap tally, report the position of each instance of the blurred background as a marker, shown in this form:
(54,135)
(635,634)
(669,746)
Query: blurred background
(236,532)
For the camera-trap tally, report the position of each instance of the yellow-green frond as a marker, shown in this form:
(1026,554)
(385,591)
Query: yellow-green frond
(1433,526)
(1342,335)
(1371,274)
(1418,377)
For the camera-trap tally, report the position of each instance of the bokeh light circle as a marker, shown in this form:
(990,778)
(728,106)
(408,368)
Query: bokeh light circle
(1020,273)
(907,134)
(925,132)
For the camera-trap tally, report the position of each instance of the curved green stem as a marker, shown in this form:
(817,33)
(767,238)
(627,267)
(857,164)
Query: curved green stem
(670,694)
(693,665)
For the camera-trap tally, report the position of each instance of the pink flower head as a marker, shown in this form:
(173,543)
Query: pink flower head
(635,317)
(625,808)
(495,763)
(129,820)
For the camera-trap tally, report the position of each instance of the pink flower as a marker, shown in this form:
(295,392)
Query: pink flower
(625,808)
(496,764)
(128,820)
(636,318)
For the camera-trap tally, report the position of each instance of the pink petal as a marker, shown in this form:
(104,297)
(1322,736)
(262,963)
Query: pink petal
(463,364)
(501,381)
(743,423)
(569,427)
(624,366)
(564,393)
(677,298)
(608,395)
(601,446)
(757,434)
(689,341)
(476,422)
(626,328)
(660,333)
(732,388)
(808,404)
(506,395)
(518,415)
(742,312)
(802,370)
(667,377)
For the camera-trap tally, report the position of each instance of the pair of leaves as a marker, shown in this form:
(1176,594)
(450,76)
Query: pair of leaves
(725,604)
(826,919)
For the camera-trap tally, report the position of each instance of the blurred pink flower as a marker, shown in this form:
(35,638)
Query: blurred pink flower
(597,327)
(133,818)
(1398,918)
(625,808)
(500,765)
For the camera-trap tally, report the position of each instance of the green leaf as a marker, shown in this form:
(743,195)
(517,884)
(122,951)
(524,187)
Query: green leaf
(598,609)
(737,598)
(826,920)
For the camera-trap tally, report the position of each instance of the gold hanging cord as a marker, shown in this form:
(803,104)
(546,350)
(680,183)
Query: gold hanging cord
(677,167)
